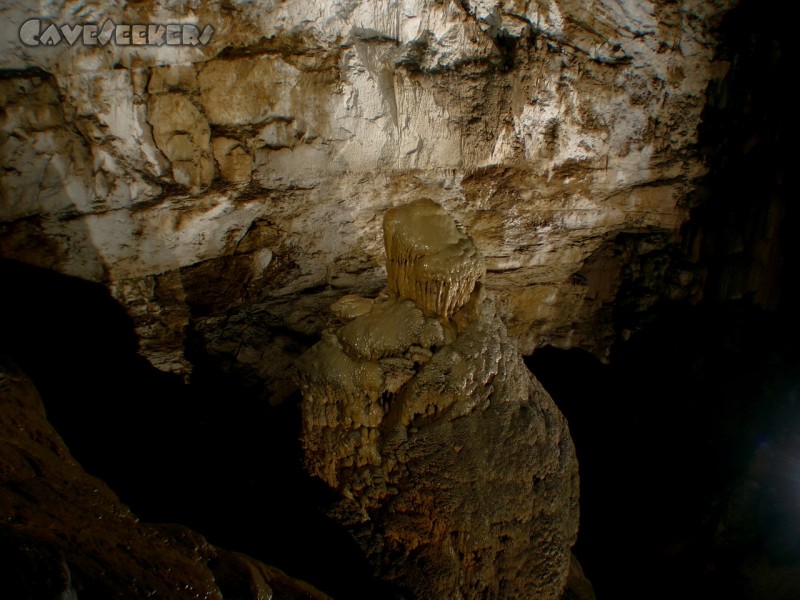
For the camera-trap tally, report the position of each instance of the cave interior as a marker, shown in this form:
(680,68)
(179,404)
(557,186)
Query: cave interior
(687,433)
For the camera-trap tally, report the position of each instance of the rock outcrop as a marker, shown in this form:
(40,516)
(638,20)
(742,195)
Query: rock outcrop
(228,190)
(65,534)
(457,473)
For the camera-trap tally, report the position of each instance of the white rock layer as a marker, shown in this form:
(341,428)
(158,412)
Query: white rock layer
(546,128)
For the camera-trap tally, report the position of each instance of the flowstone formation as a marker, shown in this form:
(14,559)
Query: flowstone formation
(456,471)
(428,259)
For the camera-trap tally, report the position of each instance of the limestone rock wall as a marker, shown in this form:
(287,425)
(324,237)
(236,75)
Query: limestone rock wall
(229,191)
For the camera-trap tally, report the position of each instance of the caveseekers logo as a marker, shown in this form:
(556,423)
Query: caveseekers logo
(35,32)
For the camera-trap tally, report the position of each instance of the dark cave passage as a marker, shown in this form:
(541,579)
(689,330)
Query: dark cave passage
(671,437)
(206,455)
(689,455)
(687,443)
(689,440)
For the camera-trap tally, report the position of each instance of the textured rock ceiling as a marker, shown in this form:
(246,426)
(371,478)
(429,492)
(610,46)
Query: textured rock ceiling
(236,190)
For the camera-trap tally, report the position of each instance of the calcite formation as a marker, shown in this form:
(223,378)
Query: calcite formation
(428,259)
(456,471)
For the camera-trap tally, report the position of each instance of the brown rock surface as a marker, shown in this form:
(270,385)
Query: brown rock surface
(428,259)
(456,470)
(65,534)
(182,133)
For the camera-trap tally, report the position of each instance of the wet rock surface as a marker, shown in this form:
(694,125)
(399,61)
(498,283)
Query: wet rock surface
(456,471)
(209,455)
(428,259)
(563,137)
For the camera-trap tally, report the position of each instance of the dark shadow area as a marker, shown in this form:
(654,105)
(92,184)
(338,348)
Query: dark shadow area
(689,440)
(744,224)
(689,455)
(205,455)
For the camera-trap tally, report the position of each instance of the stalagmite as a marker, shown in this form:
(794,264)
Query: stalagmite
(456,472)
(428,259)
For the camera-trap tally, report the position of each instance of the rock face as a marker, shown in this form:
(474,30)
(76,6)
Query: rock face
(457,472)
(228,191)
(66,535)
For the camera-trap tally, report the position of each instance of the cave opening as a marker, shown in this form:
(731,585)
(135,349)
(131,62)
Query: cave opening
(687,448)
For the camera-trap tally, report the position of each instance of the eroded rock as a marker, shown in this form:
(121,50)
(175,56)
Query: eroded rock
(233,160)
(182,133)
(546,128)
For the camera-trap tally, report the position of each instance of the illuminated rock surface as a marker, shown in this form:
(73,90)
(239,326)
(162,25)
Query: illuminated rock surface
(238,182)
(565,136)
(428,259)
(457,473)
